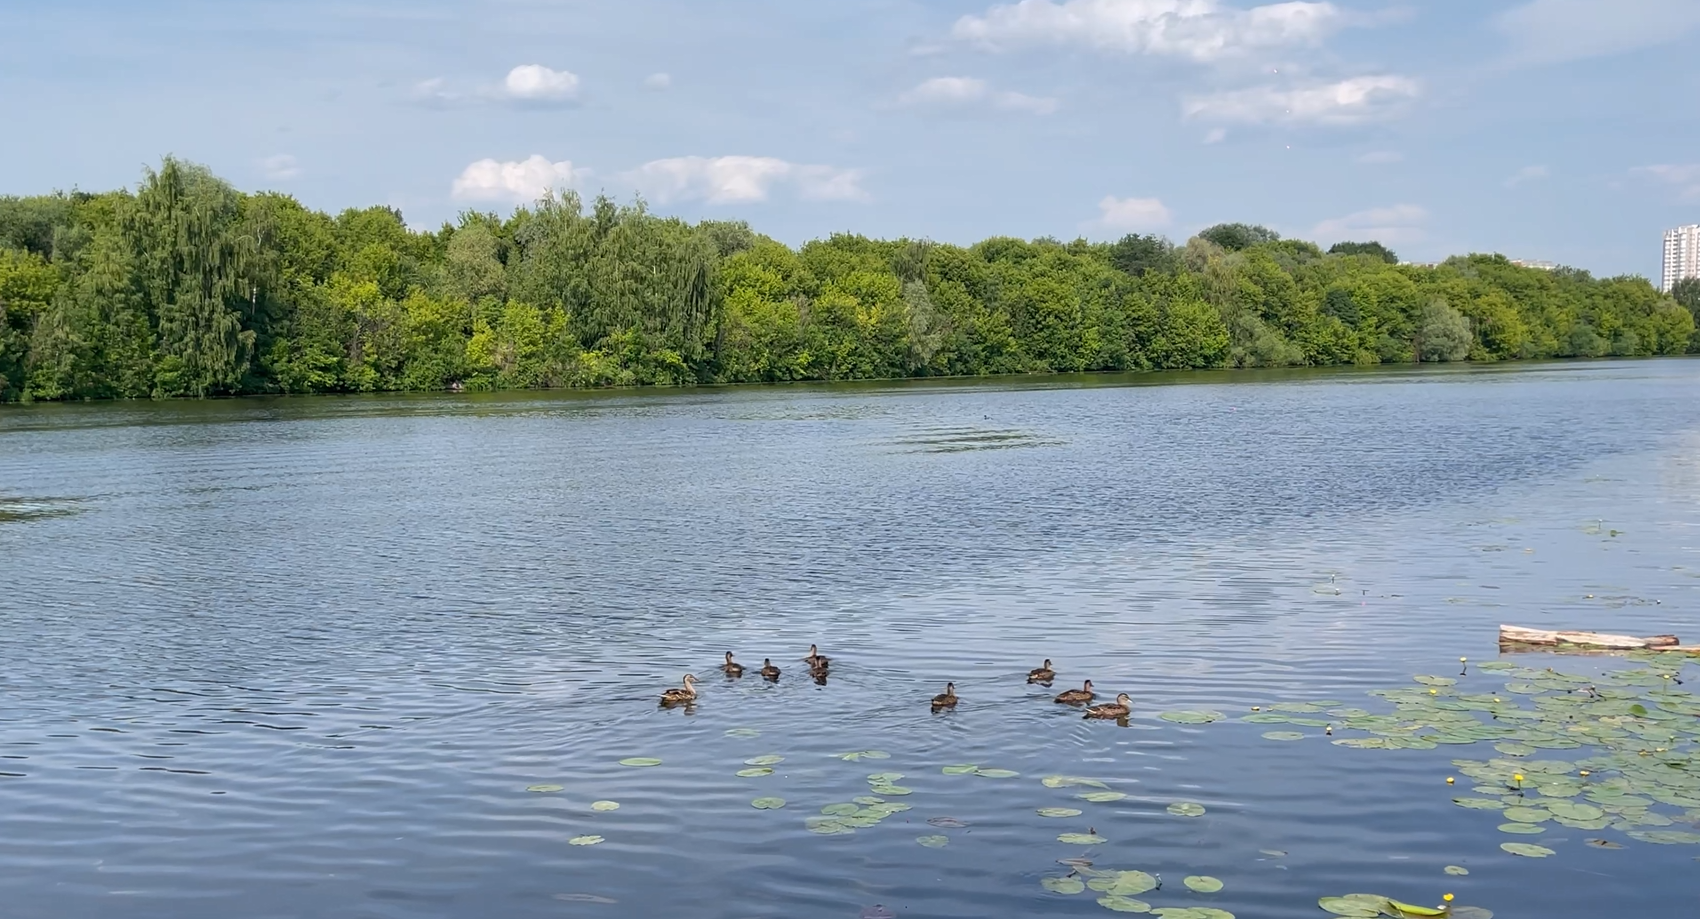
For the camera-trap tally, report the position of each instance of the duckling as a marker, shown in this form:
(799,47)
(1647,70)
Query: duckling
(768,671)
(731,668)
(681,696)
(1077,696)
(1120,708)
(946,699)
(816,660)
(1042,674)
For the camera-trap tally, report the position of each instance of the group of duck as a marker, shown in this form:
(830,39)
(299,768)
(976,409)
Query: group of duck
(819,665)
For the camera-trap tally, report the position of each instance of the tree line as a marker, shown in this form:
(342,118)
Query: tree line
(186,286)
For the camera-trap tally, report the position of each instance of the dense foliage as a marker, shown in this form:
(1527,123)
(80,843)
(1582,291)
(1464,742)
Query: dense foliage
(187,287)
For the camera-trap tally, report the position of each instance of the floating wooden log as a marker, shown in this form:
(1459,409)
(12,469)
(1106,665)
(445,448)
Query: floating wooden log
(1517,635)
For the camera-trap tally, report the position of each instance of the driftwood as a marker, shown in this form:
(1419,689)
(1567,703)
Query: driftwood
(1545,638)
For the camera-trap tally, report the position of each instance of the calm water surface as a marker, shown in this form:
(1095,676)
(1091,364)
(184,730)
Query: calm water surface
(304,657)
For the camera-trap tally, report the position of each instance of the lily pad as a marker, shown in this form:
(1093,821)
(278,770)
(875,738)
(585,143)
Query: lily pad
(884,778)
(1186,809)
(1193,717)
(1604,844)
(996,773)
(1283,735)
(1356,906)
(640,761)
(1068,885)
(1666,837)
(933,842)
(964,769)
(839,810)
(863,754)
(1483,804)
(546,789)
(1124,883)
(1101,797)
(1058,812)
(891,791)
(869,800)
(1070,781)
(1203,884)
(1457,870)
(754,772)
(769,760)
(1123,904)
(1527,814)
(585,840)
(1082,839)
(767,804)
(948,823)
(1527,850)
(1526,829)
(605,806)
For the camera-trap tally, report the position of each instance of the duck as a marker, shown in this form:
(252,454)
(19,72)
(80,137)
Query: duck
(731,668)
(681,696)
(1121,708)
(1077,696)
(1042,674)
(816,660)
(946,699)
(768,671)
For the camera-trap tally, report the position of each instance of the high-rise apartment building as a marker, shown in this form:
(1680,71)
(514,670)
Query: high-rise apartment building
(1682,255)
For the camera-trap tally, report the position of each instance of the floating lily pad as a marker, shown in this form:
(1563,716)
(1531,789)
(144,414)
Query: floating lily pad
(767,804)
(605,806)
(948,823)
(933,842)
(1527,814)
(1527,850)
(1604,844)
(1457,870)
(831,828)
(884,778)
(1186,809)
(745,733)
(867,800)
(1407,910)
(1437,680)
(1526,829)
(964,769)
(1514,749)
(839,810)
(1058,812)
(1356,906)
(1484,804)
(585,840)
(1193,717)
(1070,781)
(546,789)
(1666,837)
(754,772)
(1082,839)
(863,754)
(1283,735)
(769,760)
(640,761)
(1101,797)
(996,773)
(1069,885)
(892,791)
(1469,912)
(1123,883)
(1203,884)
(1123,904)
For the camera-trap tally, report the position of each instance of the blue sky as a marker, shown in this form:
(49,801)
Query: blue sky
(1566,130)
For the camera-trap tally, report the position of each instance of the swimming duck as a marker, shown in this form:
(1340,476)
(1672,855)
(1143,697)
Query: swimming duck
(1077,696)
(816,660)
(681,696)
(946,699)
(1042,674)
(1120,708)
(731,668)
(768,671)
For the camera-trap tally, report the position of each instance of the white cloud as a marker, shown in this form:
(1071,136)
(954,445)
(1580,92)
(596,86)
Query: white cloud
(1133,214)
(963,92)
(1553,31)
(658,81)
(1528,174)
(1400,223)
(537,83)
(280,167)
(1381,157)
(435,92)
(1346,102)
(1684,178)
(1199,29)
(743,179)
(1216,135)
(519,181)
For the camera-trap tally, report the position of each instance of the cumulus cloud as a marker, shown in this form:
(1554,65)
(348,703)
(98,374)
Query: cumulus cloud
(1202,30)
(743,179)
(1132,214)
(968,92)
(280,167)
(1528,174)
(1401,223)
(518,181)
(537,83)
(1554,31)
(1346,102)
(1684,179)
(658,81)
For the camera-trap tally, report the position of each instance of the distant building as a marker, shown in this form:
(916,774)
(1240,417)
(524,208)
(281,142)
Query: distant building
(1534,263)
(1682,255)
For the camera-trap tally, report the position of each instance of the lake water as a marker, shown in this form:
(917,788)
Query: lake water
(305,657)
